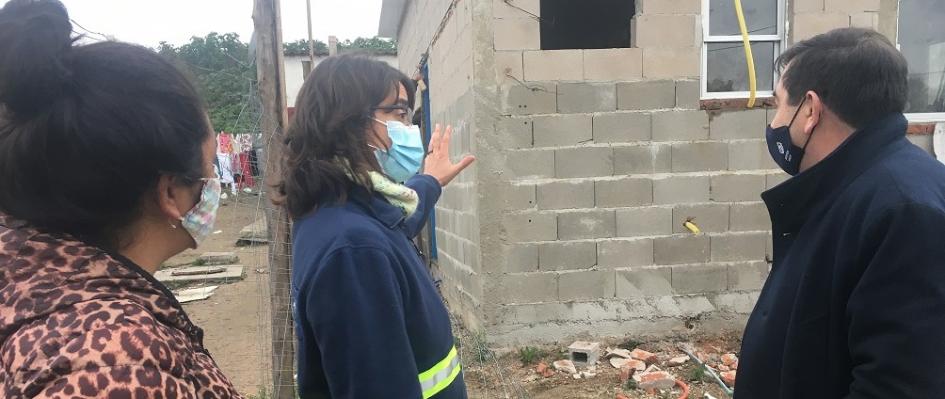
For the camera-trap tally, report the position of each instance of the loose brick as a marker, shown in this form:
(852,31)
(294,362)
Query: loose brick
(529,288)
(643,222)
(530,164)
(646,95)
(567,256)
(698,279)
(521,258)
(662,63)
(739,247)
(613,64)
(625,253)
(747,276)
(642,159)
(651,31)
(749,124)
(641,283)
(562,130)
(520,196)
(517,34)
(531,226)
(623,193)
(554,65)
(623,127)
(700,157)
(750,217)
(735,188)
(681,250)
(515,132)
(586,285)
(587,97)
(566,195)
(670,7)
(680,126)
(710,218)
(533,98)
(584,162)
(750,155)
(509,65)
(586,225)
(688,94)
(681,190)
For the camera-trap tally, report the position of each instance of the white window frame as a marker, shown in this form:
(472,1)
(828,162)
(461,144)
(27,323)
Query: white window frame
(779,40)
(924,117)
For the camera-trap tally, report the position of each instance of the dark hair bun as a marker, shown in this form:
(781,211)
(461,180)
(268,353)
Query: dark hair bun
(35,40)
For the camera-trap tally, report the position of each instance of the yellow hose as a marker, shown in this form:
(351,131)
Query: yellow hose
(752,81)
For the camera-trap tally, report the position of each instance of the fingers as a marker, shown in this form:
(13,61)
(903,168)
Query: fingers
(445,140)
(435,139)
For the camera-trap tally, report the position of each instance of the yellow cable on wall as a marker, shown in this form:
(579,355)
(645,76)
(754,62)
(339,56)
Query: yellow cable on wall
(749,58)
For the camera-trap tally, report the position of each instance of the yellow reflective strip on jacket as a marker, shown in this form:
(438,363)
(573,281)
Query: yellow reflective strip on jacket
(440,376)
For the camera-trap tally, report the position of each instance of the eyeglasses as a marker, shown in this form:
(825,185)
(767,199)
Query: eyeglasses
(402,112)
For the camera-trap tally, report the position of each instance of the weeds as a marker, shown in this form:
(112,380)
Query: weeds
(530,355)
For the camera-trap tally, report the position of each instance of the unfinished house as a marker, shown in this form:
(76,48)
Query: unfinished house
(601,128)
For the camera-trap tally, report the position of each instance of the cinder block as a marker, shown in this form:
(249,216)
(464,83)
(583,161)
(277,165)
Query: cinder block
(613,64)
(681,250)
(852,6)
(554,65)
(622,127)
(688,94)
(667,30)
(808,25)
(531,164)
(529,288)
(625,253)
(566,195)
(711,218)
(562,130)
(587,225)
(739,247)
(750,155)
(642,159)
(748,124)
(584,162)
(521,258)
(533,98)
(698,279)
(585,353)
(509,64)
(586,285)
(587,97)
(531,226)
(644,222)
(680,126)
(750,217)
(681,190)
(747,276)
(808,6)
(516,133)
(517,34)
(736,188)
(520,196)
(663,62)
(623,193)
(869,20)
(516,8)
(649,7)
(567,256)
(700,157)
(773,180)
(646,95)
(642,283)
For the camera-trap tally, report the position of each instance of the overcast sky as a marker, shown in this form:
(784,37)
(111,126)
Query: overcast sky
(148,22)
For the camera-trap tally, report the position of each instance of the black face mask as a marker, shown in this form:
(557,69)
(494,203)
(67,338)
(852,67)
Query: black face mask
(787,155)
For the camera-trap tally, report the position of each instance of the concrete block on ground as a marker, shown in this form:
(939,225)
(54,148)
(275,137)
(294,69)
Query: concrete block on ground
(566,195)
(688,94)
(680,126)
(586,285)
(613,64)
(625,253)
(750,217)
(644,222)
(623,193)
(737,188)
(711,218)
(664,30)
(746,124)
(217,258)
(681,190)
(562,130)
(750,155)
(520,258)
(528,288)
(587,97)
(586,225)
(650,7)
(584,162)
(567,255)
(517,33)
(531,164)
(254,234)
(808,25)
(681,250)
(515,132)
(698,279)
(646,95)
(553,65)
(203,274)
(668,62)
(584,353)
(647,159)
(533,98)
(747,276)
(622,127)
(649,282)
(700,157)
(531,226)
(509,65)
(739,247)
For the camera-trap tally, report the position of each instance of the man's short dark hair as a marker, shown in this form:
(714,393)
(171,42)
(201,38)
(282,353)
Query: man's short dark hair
(857,73)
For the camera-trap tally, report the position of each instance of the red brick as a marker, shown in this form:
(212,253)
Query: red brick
(921,129)
(729,377)
(643,355)
(656,380)
(729,359)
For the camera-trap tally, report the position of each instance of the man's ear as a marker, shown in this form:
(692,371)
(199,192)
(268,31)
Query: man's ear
(813,113)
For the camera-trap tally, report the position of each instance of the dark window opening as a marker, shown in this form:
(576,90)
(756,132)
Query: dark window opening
(306,69)
(586,24)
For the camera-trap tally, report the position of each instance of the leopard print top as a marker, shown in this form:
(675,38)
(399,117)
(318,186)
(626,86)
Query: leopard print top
(77,322)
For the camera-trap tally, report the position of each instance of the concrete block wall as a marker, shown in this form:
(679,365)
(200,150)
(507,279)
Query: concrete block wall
(812,17)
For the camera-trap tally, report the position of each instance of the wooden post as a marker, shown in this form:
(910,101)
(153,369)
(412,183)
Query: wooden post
(311,41)
(271,86)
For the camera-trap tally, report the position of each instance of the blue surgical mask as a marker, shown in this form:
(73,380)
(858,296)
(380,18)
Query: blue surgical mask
(405,156)
(787,155)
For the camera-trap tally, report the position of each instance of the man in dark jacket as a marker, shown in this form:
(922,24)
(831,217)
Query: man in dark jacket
(855,303)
